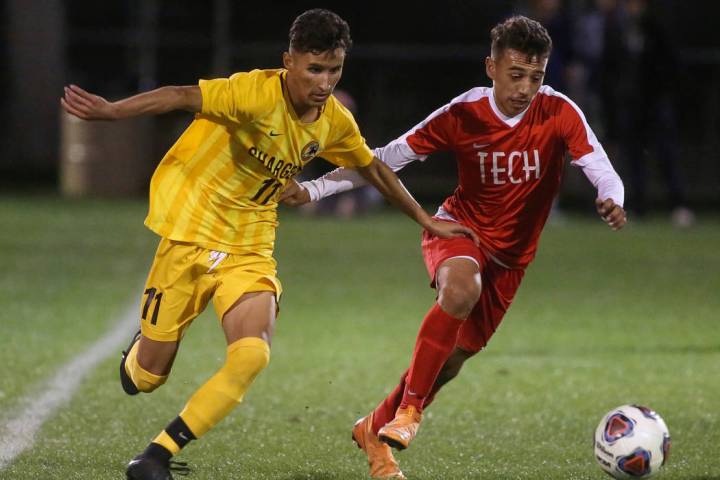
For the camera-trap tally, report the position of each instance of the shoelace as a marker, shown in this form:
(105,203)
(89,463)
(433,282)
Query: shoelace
(181,468)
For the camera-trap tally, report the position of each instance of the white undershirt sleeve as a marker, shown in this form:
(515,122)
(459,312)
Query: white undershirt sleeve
(395,155)
(339,180)
(602,175)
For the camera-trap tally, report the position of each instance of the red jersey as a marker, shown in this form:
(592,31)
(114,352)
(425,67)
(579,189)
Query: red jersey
(509,169)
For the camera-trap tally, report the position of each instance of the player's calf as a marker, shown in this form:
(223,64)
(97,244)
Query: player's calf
(246,358)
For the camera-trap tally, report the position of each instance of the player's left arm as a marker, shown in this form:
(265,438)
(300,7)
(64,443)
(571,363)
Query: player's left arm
(610,190)
(588,154)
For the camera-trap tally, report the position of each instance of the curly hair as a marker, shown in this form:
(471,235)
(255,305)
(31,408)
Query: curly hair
(522,34)
(319,30)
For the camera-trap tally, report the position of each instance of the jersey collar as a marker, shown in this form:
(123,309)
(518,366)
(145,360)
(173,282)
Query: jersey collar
(509,121)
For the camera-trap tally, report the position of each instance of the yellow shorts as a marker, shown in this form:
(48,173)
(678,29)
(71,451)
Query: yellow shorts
(184,277)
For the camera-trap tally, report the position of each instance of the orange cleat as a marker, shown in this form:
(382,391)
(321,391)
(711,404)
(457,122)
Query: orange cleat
(402,429)
(380,457)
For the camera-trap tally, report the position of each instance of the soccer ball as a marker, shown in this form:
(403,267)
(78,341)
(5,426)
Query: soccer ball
(631,442)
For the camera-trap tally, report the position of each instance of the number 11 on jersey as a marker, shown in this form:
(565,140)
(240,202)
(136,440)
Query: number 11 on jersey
(270,185)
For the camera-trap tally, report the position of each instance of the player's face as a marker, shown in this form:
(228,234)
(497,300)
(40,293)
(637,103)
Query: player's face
(312,76)
(516,78)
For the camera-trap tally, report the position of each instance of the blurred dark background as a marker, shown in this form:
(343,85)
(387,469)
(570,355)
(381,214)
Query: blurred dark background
(646,73)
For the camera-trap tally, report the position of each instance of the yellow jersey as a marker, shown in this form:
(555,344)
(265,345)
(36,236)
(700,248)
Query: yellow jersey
(217,187)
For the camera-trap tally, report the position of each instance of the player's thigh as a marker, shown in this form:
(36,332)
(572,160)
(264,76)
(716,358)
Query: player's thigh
(246,299)
(459,285)
(175,294)
(253,315)
(501,285)
(453,261)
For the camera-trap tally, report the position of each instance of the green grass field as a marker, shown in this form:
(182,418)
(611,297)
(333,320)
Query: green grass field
(602,319)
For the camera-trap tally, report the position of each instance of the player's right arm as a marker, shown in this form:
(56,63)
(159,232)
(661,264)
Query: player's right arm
(89,106)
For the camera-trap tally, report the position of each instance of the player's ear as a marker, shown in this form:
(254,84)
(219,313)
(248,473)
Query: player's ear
(287,60)
(490,67)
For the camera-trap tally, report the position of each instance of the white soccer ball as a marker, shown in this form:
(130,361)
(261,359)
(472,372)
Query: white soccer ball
(631,442)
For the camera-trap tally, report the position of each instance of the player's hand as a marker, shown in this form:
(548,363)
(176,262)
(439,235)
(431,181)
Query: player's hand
(87,106)
(293,194)
(451,230)
(612,214)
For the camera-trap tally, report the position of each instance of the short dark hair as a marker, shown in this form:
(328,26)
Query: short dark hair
(522,34)
(319,30)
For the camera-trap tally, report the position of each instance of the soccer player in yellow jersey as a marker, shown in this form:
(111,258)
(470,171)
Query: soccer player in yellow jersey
(213,200)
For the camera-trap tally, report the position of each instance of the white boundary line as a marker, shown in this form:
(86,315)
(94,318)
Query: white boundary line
(17,430)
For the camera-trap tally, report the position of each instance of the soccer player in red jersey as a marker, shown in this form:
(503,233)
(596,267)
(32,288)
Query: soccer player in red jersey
(510,143)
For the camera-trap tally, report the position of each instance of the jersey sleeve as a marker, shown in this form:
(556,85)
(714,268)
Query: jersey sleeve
(240,98)
(347,148)
(434,134)
(588,154)
(576,133)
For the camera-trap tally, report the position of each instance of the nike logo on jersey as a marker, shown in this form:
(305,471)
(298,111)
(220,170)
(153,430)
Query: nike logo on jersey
(273,133)
(480,145)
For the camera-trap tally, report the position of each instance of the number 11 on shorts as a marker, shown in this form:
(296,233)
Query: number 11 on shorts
(152,294)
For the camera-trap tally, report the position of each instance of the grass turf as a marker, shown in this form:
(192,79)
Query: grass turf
(602,319)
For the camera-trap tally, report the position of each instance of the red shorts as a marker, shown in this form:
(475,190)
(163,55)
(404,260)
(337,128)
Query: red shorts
(499,285)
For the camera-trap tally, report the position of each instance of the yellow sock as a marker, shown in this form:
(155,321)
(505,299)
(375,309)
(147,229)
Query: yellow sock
(166,441)
(246,358)
(175,436)
(143,380)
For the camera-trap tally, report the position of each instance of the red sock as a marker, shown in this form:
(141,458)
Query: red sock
(386,410)
(435,342)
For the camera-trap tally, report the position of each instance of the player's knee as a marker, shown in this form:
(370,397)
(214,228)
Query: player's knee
(458,299)
(249,360)
(246,358)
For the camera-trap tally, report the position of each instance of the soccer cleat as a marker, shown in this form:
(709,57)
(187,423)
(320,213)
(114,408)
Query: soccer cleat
(402,429)
(125,380)
(144,467)
(380,457)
